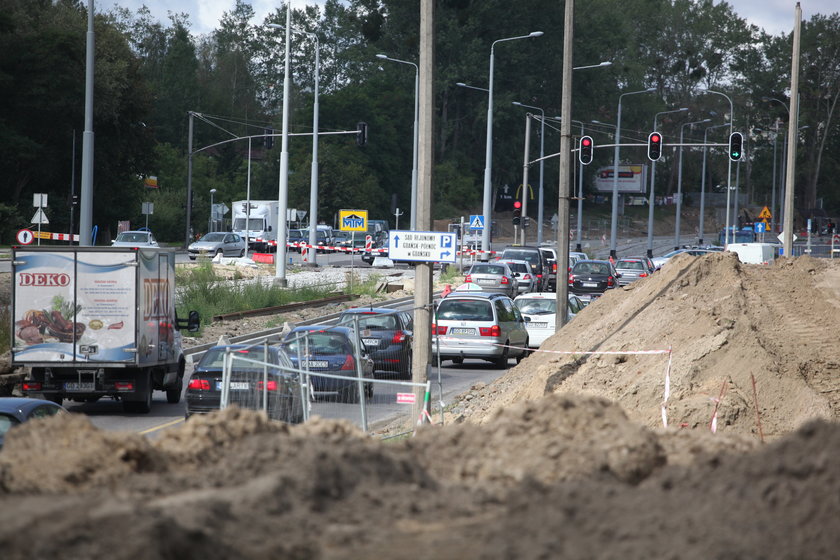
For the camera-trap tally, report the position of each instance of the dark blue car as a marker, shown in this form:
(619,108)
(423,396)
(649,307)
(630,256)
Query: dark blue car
(387,336)
(15,410)
(330,350)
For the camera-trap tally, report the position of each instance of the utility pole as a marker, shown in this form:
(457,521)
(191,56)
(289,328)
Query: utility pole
(86,208)
(422,345)
(793,131)
(565,156)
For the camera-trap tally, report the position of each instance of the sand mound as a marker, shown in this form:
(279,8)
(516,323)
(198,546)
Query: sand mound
(726,324)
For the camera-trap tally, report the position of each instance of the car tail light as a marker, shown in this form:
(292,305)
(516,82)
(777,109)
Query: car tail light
(643,275)
(490,331)
(571,279)
(124,386)
(438,329)
(270,386)
(399,336)
(554,268)
(610,281)
(526,276)
(505,280)
(199,384)
(468,278)
(31,386)
(349,363)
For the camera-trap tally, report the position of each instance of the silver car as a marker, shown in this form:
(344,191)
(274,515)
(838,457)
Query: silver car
(479,325)
(215,243)
(631,269)
(525,277)
(135,239)
(493,277)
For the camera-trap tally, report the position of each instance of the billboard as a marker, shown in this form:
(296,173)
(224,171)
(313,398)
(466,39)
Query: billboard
(632,179)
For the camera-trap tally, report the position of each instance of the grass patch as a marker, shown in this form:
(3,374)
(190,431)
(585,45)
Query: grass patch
(451,276)
(202,290)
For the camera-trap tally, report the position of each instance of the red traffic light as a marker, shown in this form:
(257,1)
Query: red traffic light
(585,151)
(586,142)
(517,205)
(654,146)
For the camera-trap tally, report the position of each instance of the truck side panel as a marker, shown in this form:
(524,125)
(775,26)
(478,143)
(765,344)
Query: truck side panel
(74,307)
(156,299)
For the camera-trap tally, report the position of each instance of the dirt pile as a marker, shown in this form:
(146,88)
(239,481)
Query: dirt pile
(567,476)
(725,323)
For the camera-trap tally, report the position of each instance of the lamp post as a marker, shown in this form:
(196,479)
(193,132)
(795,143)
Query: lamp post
(488,191)
(283,187)
(702,224)
(651,196)
(312,253)
(729,169)
(212,224)
(614,222)
(415,152)
(787,109)
(540,196)
(679,183)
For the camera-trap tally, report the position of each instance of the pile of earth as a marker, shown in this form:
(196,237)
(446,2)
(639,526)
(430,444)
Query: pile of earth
(757,344)
(564,456)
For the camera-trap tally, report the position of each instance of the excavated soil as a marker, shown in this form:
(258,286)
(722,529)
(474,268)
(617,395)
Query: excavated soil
(564,456)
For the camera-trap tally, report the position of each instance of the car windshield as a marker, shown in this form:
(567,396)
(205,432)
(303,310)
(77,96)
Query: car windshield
(216,237)
(488,269)
(591,268)
(536,306)
(133,237)
(376,322)
(214,358)
(318,342)
(465,310)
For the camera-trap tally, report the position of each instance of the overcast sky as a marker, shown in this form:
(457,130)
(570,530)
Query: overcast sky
(775,16)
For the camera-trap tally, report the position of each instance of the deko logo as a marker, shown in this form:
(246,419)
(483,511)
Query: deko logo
(156,299)
(43,279)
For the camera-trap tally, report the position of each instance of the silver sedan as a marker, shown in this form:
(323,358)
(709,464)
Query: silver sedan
(218,243)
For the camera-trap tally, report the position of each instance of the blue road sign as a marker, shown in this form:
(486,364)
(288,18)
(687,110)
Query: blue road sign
(477,221)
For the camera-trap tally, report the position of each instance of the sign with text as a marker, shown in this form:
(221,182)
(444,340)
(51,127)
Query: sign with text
(422,246)
(352,220)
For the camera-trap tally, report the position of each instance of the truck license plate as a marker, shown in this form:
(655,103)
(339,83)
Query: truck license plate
(76,387)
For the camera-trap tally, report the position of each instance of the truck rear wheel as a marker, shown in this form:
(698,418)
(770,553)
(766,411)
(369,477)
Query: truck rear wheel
(173,394)
(144,393)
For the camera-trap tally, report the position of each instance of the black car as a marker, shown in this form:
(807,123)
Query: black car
(16,410)
(275,389)
(387,335)
(590,279)
(535,257)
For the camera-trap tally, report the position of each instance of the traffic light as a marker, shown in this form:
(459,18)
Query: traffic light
(585,151)
(517,212)
(361,134)
(736,145)
(269,138)
(654,146)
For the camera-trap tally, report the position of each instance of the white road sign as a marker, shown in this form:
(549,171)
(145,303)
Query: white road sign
(422,246)
(25,237)
(39,217)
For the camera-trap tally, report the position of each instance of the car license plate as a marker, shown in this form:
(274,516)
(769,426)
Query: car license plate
(486,281)
(316,363)
(457,330)
(537,325)
(235,385)
(371,341)
(76,387)
(589,284)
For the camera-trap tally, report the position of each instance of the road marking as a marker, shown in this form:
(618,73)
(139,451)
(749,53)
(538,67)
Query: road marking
(162,426)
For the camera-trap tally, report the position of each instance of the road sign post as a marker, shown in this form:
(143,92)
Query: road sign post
(423,246)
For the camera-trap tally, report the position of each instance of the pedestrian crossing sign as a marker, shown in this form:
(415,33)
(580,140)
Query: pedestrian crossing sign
(477,221)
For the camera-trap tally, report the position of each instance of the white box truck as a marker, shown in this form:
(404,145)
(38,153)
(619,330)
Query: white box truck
(91,322)
(256,222)
(754,253)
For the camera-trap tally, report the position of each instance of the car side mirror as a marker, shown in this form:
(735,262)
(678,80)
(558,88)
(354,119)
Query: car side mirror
(526,319)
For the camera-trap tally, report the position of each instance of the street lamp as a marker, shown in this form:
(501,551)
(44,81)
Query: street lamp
(416,130)
(784,149)
(488,191)
(599,65)
(651,197)
(679,183)
(212,224)
(311,252)
(540,196)
(614,223)
(729,169)
(283,187)
(703,182)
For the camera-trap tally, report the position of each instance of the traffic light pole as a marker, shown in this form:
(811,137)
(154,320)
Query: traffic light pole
(525,167)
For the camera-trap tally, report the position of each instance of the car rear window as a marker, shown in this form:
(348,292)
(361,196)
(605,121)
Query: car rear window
(630,265)
(373,322)
(532,257)
(465,310)
(321,343)
(487,269)
(591,268)
(215,357)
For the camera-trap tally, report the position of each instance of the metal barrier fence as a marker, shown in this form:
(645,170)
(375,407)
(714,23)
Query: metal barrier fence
(358,370)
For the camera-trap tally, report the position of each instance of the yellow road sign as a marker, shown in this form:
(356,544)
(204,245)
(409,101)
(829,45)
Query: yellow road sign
(765,214)
(352,220)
